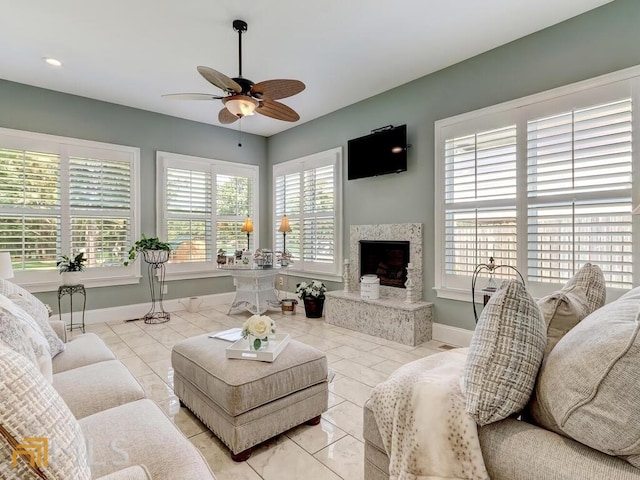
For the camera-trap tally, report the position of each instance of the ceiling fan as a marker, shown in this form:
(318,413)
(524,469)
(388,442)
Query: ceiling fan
(243,97)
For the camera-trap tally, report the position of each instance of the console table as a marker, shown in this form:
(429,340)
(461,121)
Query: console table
(255,289)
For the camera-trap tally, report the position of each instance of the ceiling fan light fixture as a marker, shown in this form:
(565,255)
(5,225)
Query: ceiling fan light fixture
(241,105)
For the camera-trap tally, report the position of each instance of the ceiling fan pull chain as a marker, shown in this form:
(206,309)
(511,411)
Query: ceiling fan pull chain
(240,133)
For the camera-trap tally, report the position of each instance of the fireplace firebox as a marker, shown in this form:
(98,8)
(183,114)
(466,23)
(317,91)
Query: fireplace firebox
(387,259)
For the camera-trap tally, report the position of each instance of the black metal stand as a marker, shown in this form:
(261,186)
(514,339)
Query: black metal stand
(156,268)
(71,290)
(490,267)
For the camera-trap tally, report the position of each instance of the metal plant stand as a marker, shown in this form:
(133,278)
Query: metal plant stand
(490,267)
(156,260)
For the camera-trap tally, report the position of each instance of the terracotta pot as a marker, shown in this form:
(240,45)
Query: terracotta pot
(313,307)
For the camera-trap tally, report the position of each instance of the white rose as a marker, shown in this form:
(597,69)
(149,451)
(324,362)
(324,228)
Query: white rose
(259,326)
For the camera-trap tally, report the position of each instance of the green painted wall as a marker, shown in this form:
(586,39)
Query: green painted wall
(598,42)
(37,110)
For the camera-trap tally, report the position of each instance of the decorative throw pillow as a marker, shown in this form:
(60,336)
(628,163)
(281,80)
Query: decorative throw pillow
(36,309)
(31,408)
(562,310)
(21,332)
(589,385)
(506,351)
(591,279)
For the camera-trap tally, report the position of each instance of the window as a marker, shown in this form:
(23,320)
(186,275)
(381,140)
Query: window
(202,206)
(64,196)
(308,191)
(543,184)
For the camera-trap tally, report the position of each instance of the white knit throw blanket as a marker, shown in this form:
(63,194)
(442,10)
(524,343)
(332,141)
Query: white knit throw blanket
(420,412)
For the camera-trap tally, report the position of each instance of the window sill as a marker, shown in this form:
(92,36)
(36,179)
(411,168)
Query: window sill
(174,276)
(37,287)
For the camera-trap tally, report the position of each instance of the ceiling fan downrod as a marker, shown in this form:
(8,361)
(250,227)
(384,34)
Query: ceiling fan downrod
(240,26)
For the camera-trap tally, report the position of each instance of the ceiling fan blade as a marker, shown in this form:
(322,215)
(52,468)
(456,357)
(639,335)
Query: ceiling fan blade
(191,96)
(220,80)
(277,110)
(276,89)
(225,116)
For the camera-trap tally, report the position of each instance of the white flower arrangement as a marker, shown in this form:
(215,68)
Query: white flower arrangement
(315,289)
(260,327)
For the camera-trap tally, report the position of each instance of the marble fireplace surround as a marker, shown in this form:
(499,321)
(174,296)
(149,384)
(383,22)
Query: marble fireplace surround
(411,232)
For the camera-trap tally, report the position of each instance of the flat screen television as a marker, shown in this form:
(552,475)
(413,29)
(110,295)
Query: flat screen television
(378,153)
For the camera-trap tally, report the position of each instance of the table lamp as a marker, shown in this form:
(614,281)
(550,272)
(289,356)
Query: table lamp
(284,228)
(6,270)
(247,227)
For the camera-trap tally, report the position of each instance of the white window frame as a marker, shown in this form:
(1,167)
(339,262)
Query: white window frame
(164,160)
(333,157)
(593,91)
(65,147)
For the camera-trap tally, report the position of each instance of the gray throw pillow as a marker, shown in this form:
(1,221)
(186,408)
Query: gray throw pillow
(506,351)
(562,310)
(589,385)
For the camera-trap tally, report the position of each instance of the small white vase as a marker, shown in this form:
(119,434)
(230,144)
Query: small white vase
(71,278)
(264,342)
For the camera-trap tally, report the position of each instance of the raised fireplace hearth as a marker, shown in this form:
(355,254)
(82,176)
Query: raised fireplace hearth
(385,251)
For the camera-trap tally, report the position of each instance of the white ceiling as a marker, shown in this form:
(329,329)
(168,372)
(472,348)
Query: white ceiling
(131,52)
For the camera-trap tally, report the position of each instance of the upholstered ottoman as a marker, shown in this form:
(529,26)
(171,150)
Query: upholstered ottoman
(245,402)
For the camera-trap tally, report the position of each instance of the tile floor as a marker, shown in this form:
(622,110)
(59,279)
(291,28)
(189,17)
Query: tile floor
(332,450)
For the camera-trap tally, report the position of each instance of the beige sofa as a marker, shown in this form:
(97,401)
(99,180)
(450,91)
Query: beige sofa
(516,450)
(584,398)
(93,413)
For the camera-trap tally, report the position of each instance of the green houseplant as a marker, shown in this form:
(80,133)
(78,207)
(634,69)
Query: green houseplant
(151,244)
(70,267)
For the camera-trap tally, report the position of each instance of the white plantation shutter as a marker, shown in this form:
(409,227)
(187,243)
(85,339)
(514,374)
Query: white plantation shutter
(188,212)
(319,219)
(202,204)
(544,184)
(234,201)
(100,209)
(30,208)
(480,200)
(288,201)
(573,158)
(307,190)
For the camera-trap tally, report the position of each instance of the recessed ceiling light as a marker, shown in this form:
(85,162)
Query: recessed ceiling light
(52,61)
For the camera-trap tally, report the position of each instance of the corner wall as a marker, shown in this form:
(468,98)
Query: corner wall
(592,44)
(23,107)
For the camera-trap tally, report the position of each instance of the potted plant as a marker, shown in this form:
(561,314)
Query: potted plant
(312,294)
(153,250)
(70,268)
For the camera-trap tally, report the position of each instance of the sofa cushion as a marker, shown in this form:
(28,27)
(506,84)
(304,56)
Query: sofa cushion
(584,293)
(506,351)
(589,385)
(20,332)
(139,433)
(96,387)
(82,350)
(31,408)
(591,279)
(36,309)
(139,472)
(562,310)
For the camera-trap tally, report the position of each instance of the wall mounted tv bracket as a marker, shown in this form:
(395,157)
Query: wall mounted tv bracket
(387,127)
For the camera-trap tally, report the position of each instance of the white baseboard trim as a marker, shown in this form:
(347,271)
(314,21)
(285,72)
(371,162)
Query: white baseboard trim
(459,337)
(128,312)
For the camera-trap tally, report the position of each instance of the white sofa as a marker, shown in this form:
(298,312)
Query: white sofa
(91,410)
